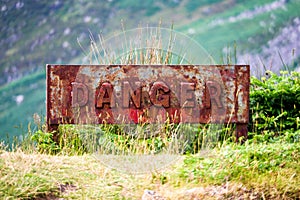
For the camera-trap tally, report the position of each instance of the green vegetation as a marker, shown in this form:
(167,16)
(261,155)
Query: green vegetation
(37,164)
(148,7)
(16,116)
(47,32)
(257,170)
(193,5)
(275,103)
(265,166)
(215,38)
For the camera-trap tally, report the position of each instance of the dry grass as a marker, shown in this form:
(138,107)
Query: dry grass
(38,175)
(228,172)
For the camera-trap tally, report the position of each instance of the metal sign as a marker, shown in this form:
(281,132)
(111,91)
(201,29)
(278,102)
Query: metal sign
(95,94)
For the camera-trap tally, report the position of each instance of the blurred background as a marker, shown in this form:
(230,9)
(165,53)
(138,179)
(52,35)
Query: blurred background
(264,34)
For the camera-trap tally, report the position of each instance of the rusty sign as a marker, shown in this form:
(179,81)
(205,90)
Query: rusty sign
(95,94)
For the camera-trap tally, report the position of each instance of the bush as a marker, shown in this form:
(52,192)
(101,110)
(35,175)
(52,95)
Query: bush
(275,103)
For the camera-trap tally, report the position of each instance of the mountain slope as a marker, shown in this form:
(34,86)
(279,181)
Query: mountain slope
(33,34)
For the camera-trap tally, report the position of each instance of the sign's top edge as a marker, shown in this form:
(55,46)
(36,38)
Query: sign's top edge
(86,65)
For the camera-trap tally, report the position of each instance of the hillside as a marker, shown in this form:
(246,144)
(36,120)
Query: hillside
(40,32)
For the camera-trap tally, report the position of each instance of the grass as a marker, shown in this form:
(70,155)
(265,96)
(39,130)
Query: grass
(258,171)
(265,167)
(41,176)
(89,162)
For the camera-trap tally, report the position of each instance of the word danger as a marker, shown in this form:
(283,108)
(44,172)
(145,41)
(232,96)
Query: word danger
(135,94)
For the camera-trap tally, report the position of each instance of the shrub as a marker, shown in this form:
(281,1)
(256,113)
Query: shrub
(275,103)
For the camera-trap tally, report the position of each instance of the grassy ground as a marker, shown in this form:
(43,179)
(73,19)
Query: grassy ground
(265,167)
(250,171)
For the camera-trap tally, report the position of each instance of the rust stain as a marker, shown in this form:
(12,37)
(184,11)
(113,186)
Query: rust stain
(93,94)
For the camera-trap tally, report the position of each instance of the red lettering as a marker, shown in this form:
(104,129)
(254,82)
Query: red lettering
(156,97)
(105,95)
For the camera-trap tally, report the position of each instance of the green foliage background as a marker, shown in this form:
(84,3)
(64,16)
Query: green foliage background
(275,103)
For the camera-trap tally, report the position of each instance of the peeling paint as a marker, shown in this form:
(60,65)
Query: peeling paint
(225,101)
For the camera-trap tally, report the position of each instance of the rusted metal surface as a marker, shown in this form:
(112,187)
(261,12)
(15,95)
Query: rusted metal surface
(94,94)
